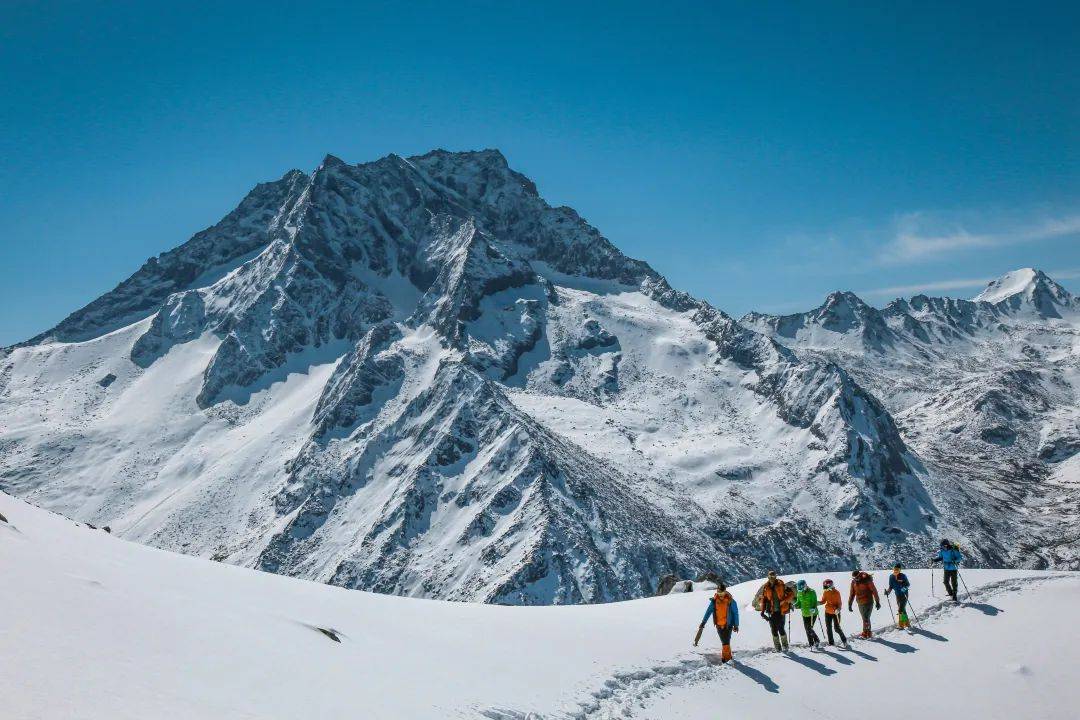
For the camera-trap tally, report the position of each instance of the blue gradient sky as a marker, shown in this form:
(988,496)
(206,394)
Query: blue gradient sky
(759,156)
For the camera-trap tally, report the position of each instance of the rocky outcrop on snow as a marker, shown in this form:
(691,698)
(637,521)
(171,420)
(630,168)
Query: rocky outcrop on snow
(985,391)
(415,376)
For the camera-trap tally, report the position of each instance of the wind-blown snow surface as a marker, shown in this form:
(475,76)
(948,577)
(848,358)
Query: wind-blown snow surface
(415,376)
(985,392)
(99,628)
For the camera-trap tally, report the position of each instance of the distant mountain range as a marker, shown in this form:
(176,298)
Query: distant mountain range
(983,391)
(415,376)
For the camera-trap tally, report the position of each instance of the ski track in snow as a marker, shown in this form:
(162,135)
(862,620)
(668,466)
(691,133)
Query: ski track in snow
(628,689)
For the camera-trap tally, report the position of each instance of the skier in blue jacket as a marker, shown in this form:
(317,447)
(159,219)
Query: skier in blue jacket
(950,558)
(898,583)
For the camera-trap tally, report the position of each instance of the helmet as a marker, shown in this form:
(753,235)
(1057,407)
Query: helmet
(827,583)
(897,567)
(801,584)
(854,573)
(945,543)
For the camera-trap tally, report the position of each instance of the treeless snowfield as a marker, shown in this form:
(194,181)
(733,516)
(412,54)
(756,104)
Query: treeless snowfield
(96,627)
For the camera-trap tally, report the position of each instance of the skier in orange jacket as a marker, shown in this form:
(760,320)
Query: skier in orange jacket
(725,614)
(776,600)
(830,598)
(865,592)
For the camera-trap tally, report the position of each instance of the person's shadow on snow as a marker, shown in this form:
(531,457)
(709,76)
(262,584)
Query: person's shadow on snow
(812,664)
(898,647)
(757,676)
(860,653)
(984,608)
(928,634)
(837,657)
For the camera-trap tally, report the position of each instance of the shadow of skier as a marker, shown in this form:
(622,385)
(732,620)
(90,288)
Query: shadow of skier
(757,676)
(812,664)
(837,657)
(928,634)
(860,653)
(984,608)
(898,647)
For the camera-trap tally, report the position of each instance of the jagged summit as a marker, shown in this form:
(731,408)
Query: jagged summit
(381,213)
(842,312)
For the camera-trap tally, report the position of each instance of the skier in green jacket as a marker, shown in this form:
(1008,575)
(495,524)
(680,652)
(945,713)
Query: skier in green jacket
(806,600)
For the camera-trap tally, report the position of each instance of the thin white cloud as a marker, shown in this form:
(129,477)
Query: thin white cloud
(937,286)
(1071,274)
(1061,274)
(912,244)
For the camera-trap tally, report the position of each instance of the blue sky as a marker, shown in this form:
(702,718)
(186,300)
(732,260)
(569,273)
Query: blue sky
(758,155)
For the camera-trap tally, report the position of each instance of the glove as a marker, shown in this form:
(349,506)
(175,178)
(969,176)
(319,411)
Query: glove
(701,626)
(764,617)
(877,606)
(849,607)
(736,628)
(888,591)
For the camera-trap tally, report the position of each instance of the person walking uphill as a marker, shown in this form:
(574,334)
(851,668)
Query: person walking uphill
(776,600)
(865,592)
(830,598)
(950,558)
(899,584)
(725,614)
(806,600)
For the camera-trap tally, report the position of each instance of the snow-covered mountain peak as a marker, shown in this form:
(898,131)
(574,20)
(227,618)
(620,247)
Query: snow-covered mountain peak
(843,314)
(845,307)
(1011,283)
(1028,287)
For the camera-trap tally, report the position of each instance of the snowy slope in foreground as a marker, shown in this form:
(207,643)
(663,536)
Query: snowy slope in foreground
(96,627)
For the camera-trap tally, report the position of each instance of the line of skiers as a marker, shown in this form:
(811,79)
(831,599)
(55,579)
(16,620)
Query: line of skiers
(777,598)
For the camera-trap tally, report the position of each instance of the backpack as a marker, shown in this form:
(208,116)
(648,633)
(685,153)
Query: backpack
(757,605)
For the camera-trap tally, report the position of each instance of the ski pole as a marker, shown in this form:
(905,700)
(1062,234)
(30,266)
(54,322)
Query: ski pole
(932,590)
(889,600)
(914,614)
(964,584)
(822,629)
